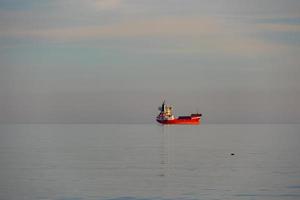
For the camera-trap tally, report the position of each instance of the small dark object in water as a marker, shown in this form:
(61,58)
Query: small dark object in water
(232,154)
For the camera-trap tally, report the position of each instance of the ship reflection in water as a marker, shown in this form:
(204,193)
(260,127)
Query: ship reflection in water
(164,153)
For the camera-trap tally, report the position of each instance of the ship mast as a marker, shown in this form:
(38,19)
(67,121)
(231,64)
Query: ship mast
(163,107)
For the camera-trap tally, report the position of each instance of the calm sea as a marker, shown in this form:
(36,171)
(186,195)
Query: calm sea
(149,162)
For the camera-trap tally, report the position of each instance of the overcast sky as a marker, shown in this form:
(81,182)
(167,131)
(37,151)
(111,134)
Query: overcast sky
(114,61)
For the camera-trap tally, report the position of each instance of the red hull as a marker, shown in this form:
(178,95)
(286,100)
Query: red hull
(192,121)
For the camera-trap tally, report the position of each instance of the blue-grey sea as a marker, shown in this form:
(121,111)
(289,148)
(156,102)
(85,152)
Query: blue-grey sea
(149,162)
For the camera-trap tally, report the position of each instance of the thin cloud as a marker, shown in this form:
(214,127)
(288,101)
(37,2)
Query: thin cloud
(199,34)
(279,27)
(139,28)
(106,4)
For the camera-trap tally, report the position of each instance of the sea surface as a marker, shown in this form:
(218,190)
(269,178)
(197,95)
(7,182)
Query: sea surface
(149,162)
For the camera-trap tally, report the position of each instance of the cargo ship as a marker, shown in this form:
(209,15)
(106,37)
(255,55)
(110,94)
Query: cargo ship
(166,117)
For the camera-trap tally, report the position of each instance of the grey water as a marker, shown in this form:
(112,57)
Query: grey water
(149,162)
